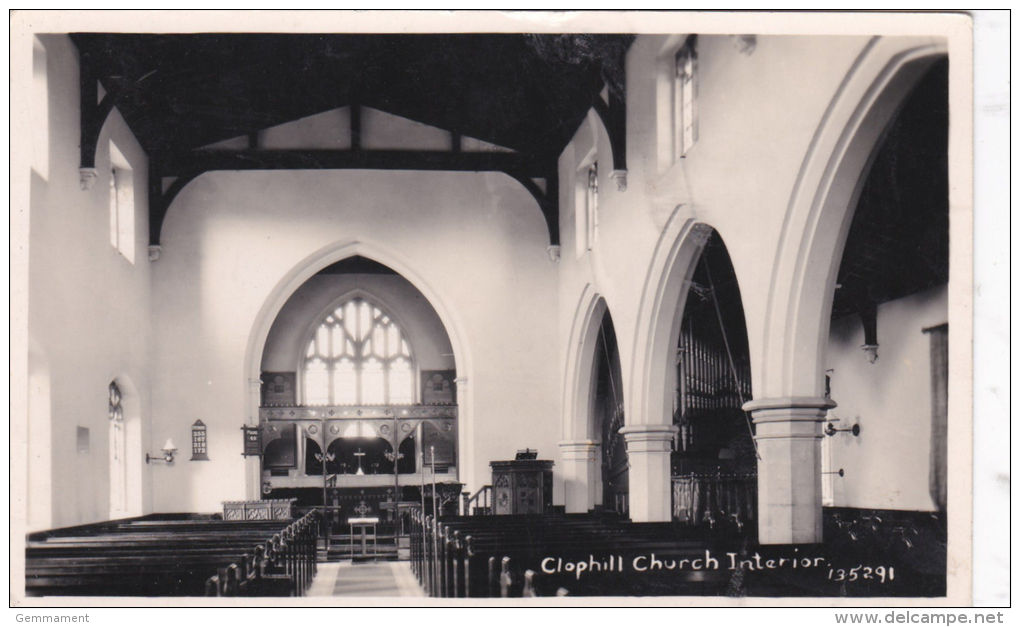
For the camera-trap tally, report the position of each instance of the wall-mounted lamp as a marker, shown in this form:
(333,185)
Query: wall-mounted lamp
(840,472)
(168,454)
(831,430)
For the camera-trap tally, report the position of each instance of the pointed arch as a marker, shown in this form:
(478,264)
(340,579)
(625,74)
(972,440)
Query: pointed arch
(653,373)
(821,210)
(297,276)
(577,397)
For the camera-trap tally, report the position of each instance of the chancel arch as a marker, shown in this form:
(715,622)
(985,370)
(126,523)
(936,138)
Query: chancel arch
(358,391)
(457,355)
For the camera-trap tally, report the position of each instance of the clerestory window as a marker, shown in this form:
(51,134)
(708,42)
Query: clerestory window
(685,111)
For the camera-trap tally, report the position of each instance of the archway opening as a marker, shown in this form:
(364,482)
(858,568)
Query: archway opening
(714,463)
(607,415)
(359,365)
(886,352)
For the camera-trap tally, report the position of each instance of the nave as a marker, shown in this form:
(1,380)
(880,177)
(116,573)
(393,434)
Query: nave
(362,298)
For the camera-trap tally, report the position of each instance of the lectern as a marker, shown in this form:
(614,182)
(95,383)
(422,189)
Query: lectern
(521,486)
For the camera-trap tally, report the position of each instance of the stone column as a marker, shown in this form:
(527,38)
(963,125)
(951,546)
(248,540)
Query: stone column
(648,448)
(252,463)
(580,474)
(789,432)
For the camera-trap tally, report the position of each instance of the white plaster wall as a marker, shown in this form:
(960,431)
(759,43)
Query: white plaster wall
(757,115)
(887,466)
(477,240)
(89,308)
(421,325)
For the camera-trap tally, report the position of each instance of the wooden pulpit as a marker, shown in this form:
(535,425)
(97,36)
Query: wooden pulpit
(521,486)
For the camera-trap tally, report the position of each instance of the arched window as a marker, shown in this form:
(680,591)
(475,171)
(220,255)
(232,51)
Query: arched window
(357,356)
(118,454)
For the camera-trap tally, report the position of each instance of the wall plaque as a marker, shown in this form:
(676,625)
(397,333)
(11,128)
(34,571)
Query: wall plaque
(278,389)
(438,387)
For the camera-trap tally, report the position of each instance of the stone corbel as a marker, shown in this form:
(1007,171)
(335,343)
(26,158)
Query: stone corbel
(554,253)
(87,178)
(620,176)
(614,118)
(155,251)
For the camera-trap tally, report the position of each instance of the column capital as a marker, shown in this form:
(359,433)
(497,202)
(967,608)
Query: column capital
(575,447)
(620,176)
(649,438)
(87,178)
(789,402)
(648,432)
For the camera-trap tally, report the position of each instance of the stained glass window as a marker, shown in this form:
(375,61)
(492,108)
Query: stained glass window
(118,461)
(357,356)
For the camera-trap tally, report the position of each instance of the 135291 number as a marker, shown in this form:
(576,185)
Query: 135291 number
(881,574)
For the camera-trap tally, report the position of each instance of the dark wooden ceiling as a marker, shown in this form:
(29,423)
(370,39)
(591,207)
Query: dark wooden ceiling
(899,238)
(525,92)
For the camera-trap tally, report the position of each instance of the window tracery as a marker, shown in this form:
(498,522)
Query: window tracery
(358,355)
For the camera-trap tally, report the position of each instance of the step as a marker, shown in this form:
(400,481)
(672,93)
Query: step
(334,537)
(344,550)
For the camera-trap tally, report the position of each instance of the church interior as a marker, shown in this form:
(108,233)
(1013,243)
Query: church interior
(524,315)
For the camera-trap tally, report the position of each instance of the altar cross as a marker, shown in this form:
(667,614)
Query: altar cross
(359,454)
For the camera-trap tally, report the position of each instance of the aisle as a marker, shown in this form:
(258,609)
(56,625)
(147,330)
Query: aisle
(368,579)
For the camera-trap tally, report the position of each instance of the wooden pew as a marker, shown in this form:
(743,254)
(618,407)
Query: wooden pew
(182,557)
(487,556)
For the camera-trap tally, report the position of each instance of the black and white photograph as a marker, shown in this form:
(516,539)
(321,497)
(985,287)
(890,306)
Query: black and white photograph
(441,308)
